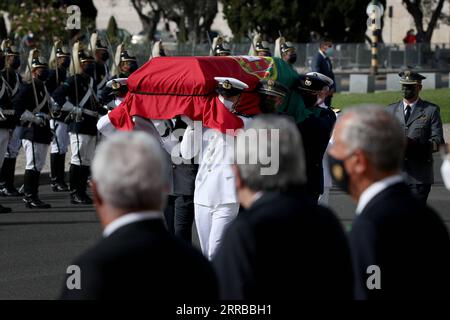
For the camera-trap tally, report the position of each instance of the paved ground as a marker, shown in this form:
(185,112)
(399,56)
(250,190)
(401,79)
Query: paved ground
(37,246)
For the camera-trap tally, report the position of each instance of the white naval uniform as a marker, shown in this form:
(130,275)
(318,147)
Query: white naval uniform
(215,199)
(324,198)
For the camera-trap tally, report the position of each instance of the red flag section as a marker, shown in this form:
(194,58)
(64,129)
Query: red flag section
(169,86)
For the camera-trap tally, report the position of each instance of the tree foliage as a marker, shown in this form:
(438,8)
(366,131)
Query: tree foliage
(343,20)
(192,17)
(425,12)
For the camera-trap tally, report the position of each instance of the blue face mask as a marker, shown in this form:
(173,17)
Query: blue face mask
(329,52)
(66,63)
(90,69)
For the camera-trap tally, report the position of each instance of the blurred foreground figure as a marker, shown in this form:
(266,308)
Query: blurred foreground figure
(401,248)
(137,257)
(284,246)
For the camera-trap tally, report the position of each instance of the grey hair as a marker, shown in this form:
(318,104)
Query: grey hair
(379,134)
(284,146)
(129,170)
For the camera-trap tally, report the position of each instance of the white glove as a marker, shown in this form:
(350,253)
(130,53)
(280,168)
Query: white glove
(67,106)
(76,111)
(26,116)
(38,121)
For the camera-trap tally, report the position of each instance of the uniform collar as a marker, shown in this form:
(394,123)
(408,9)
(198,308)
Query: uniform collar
(412,105)
(129,218)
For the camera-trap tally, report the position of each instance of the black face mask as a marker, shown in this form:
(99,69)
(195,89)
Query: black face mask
(89,69)
(409,92)
(338,173)
(2,63)
(133,67)
(16,63)
(66,63)
(292,59)
(309,100)
(43,76)
(104,56)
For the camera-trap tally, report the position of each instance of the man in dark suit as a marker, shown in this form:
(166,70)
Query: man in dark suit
(400,247)
(283,246)
(137,257)
(322,64)
(422,125)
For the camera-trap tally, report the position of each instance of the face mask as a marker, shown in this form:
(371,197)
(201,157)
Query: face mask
(133,67)
(329,52)
(292,59)
(2,63)
(445,172)
(338,173)
(309,100)
(66,63)
(409,92)
(90,69)
(104,56)
(43,76)
(16,63)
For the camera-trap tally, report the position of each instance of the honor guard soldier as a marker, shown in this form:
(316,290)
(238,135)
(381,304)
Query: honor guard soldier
(158,50)
(286,51)
(78,96)
(116,88)
(7,119)
(218,48)
(59,64)
(422,124)
(259,47)
(101,54)
(32,105)
(13,83)
(315,130)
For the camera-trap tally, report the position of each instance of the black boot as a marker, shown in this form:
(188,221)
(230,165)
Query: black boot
(31,187)
(62,171)
(4,209)
(58,184)
(8,173)
(78,185)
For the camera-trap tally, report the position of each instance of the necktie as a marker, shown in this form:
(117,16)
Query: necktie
(407,113)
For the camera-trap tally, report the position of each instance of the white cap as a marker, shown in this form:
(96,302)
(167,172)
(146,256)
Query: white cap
(231,83)
(322,77)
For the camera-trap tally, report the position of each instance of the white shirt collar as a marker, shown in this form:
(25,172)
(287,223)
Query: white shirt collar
(323,54)
(128,218)
(412,105)
(375,189)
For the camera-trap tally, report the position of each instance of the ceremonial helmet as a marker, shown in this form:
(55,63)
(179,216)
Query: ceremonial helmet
(79,55)
(58,51)
(261,48)
(158,49)
(219,47)
(8,49)
(282,47)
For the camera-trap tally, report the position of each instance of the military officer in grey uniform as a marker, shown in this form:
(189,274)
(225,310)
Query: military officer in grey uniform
(422,123)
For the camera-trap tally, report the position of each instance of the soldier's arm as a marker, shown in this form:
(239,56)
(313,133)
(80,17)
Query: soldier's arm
(23,100)
(437,133)
(61,92)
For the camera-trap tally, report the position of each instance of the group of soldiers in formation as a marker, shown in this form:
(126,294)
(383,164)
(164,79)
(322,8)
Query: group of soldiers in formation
(57,105)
